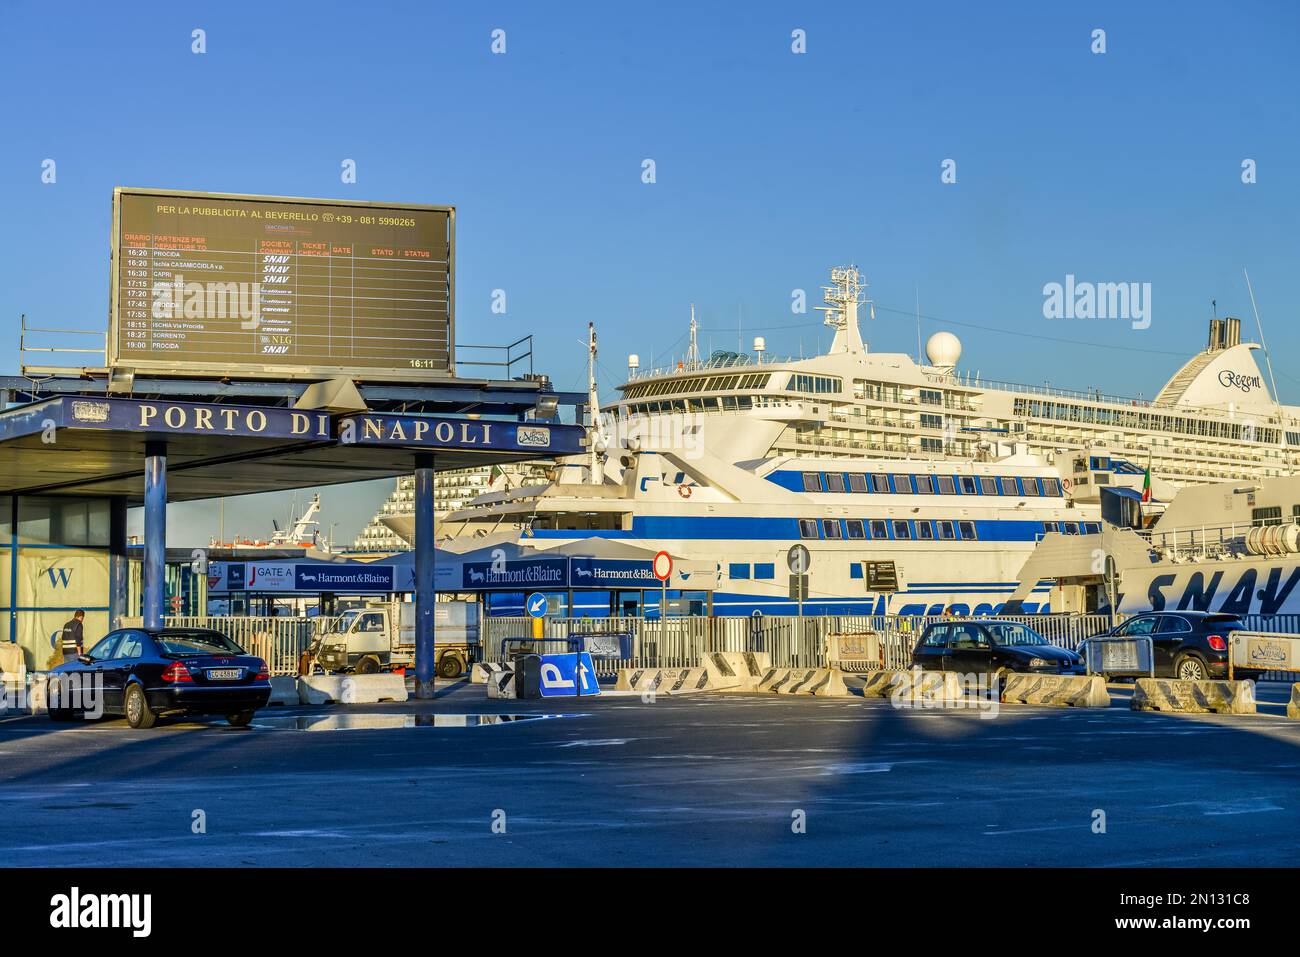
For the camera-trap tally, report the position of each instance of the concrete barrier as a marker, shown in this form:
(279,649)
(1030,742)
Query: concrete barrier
(1193,697)
(1057,691)
(481,671)
(671,680)
(501,684)
(741,669)
(824,682)
(351,689)
(1293,706)
(913,685)
(284,691)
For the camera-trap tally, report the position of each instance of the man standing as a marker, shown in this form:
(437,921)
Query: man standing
(72,640)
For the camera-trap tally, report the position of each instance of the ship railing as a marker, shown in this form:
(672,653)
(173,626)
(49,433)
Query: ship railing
(790,641)
(1191,543)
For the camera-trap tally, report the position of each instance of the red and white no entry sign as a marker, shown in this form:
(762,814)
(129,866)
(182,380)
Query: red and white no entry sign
(663,566)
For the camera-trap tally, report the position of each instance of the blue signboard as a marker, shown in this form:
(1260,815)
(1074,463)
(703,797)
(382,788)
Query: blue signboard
(523,575)
(345,578)
(375,428)
(536,605)
(612,573)
(559,676)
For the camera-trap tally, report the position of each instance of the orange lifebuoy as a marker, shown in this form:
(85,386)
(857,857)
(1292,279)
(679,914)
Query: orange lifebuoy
(684,491)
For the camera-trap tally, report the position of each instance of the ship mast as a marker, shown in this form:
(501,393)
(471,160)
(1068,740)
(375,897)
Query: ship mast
(595,439)
(842,301)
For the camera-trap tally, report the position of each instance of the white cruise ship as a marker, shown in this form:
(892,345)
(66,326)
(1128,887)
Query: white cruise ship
(914,487)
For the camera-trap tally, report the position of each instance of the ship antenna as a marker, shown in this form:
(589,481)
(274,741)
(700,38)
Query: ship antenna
(842,301)
(693,356)
(1268,362)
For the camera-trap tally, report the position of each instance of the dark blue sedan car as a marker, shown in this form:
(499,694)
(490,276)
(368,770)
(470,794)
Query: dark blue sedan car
(145,675)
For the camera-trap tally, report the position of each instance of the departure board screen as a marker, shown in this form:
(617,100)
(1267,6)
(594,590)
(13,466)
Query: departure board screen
(254,286)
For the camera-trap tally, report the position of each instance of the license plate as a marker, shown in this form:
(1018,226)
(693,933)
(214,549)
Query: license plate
(225,674)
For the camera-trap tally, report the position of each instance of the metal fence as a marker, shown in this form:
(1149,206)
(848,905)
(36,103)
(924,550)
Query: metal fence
(792,642)
(278,641)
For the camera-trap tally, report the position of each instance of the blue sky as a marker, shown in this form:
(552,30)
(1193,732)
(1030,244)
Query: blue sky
(770,166)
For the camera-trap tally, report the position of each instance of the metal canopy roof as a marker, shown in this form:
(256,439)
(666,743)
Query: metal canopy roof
(70,445)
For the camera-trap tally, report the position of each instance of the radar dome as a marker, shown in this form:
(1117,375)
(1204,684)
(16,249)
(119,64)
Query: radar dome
(943,349)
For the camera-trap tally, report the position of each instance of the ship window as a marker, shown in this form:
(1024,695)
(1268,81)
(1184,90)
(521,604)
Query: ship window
(857,482)
(855,528)
(1051,527)
(1270,515)
(765,571)
(835,481)
(1009,486)
(807,528)
(855,569)
(812,481)
(988,486)
(902,530)
(967,530)
(831,526)
(879,529)
(945,530)
(924,530)
(945,485)
(1072,528)
(931,397)
(924,485)
(1051,486)
(1030,486)
(903,484)
(931,421)
(1091,528)
(738,570)
(967,484)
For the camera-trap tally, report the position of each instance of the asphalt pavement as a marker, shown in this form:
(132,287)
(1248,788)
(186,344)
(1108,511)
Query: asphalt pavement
(693,780)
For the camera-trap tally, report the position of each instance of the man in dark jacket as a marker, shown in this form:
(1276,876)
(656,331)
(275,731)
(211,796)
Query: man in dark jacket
(72,638)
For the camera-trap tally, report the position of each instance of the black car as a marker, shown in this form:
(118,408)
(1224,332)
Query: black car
(1192,645)
(990,646)
(146,675)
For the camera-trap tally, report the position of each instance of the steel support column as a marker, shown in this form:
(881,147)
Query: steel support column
(424,586)
(119,569)
(155,533)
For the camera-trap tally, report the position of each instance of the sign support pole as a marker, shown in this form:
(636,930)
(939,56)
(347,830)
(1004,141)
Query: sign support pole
(155,533)
(424,582)
(118,567)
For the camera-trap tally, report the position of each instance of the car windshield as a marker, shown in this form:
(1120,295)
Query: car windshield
(1010,633)
(180,644)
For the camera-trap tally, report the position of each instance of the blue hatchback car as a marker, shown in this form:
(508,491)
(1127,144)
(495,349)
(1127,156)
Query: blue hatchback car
(145,675)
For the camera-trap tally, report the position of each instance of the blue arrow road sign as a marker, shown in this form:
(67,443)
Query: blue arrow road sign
(561,673)
(537,605)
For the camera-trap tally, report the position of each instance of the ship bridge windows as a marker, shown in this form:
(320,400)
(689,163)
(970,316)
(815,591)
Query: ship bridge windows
(812,481)
(1051,487)
(1029,485)
(815,384)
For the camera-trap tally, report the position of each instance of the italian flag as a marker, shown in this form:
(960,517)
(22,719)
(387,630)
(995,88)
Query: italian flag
(1146,485)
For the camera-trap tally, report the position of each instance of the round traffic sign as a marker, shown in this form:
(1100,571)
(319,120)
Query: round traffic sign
(797,559)
(536,605)
(663,566)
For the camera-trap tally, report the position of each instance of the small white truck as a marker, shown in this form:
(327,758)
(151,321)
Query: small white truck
(378,637)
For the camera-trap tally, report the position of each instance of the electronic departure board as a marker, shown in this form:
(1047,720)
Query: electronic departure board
(274,287)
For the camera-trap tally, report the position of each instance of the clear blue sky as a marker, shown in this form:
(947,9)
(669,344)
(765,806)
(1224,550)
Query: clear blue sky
(771,166)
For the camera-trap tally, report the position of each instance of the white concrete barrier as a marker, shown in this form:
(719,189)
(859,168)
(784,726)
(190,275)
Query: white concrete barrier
(502,685)
(739,669)
(914,685)
(1193,697)
(351,689)
(825,682)
(284,691)
(1056,691)
(481,671)
(671,680)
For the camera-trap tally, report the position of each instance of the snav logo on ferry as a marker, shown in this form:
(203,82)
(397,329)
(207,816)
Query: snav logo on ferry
(1223,592)
(1234,380)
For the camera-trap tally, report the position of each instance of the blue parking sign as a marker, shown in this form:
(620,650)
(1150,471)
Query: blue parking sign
(558,675)
(536,605)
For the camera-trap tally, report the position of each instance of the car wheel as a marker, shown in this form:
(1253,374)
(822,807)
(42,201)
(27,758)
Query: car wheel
(367,666)
(1189,668)
(138,712)
(449,667)
(239,719)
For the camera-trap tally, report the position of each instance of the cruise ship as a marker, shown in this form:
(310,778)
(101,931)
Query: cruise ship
(914,486)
